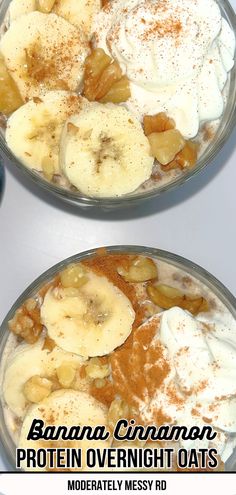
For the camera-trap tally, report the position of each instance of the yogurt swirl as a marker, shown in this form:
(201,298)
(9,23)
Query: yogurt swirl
(202,358)
(176,53)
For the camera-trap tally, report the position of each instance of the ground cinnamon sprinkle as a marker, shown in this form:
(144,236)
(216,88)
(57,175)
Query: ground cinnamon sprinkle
(201,386)
(139,369)
(182,351)
(106,5)
(212,407)
(51,419)
(44,66)
(173,397)
(136,374)
(195,412)
(105,394)
(169,27)
(73,100)
(51,64)
(224,397)
(160,418)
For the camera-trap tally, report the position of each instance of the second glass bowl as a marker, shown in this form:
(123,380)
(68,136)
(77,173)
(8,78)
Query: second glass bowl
(178,266)
(76,198)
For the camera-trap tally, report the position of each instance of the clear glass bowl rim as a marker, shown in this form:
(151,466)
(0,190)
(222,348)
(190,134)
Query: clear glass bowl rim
(225,129)
(191,268)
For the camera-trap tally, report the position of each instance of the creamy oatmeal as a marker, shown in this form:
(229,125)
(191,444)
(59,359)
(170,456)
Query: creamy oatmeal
(121,336)
(112,98)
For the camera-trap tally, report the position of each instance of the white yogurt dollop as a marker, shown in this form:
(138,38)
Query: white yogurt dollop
(202,361)
(176,53)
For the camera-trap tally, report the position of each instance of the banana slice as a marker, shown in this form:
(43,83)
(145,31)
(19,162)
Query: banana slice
(29,361)
(34,130)
(80,13)
(44,52)
(90,321)
(104,151)
(18,8)
(68,408)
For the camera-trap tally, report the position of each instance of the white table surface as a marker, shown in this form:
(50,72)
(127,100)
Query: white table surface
(196,221)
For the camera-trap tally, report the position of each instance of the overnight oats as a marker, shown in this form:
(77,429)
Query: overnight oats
(135,336)
(112,99)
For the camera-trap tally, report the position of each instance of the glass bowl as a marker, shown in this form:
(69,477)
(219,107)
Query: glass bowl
(76,198)
(191,269)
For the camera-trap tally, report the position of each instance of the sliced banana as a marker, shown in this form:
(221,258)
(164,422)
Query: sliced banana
(26,362)
(34,130)
(68,408)
(44,52)
(90,321)
(104,152)
(18,8)
(80,13)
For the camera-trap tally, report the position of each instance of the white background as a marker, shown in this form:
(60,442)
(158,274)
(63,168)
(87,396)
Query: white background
(193,484)
(196,221)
